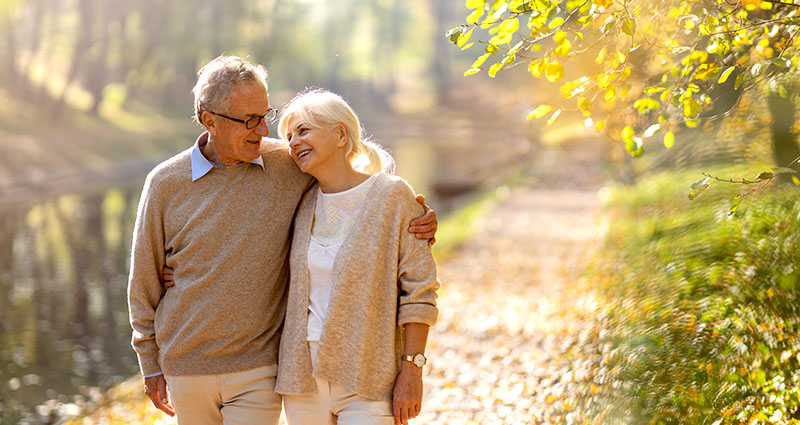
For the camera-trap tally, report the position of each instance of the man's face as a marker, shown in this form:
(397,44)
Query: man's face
(233,142)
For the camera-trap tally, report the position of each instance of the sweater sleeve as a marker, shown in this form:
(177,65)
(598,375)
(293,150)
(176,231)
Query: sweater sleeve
(416,278)
(144,283)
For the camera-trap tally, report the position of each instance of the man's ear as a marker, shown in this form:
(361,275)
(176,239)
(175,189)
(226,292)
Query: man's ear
(209,121)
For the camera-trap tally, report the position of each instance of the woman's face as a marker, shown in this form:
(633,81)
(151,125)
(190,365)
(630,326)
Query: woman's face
(314,148)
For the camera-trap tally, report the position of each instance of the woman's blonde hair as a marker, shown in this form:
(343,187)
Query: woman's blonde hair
(324,109)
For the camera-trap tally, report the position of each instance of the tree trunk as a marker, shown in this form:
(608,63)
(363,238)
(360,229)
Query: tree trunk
(442,49)
(81,47)
(784,143)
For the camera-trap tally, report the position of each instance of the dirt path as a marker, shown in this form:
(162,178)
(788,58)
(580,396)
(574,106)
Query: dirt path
(506,299)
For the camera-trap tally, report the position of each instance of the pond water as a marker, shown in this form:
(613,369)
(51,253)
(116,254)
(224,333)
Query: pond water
(64,331)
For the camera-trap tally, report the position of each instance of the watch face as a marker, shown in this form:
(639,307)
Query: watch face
(419,360)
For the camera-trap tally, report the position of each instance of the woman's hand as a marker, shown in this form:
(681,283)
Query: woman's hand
(407,399)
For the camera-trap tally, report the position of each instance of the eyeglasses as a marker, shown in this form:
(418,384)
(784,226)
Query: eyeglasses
(254,122)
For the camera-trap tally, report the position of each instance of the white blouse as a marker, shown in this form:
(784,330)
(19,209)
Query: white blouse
(334,215)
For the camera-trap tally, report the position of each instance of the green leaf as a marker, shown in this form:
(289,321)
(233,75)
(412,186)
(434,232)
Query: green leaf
(738,82)
(765,175)
(725,74)
(629,26)
(454,34)
(669,140)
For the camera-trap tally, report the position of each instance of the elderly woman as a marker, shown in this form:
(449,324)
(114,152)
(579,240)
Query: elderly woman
(362,292)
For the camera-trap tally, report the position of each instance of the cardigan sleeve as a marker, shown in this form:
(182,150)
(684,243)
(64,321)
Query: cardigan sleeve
(144,283)
(416,277)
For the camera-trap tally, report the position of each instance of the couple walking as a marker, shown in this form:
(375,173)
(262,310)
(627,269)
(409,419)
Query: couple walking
(232,238)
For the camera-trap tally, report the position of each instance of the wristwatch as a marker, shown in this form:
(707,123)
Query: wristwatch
(417,360)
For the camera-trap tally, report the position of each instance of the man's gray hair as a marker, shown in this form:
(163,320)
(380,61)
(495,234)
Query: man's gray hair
(217,79)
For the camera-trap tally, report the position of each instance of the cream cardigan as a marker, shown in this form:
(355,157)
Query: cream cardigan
(383,278)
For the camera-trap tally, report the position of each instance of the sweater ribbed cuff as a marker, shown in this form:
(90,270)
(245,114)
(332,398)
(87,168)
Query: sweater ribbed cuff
(417,313)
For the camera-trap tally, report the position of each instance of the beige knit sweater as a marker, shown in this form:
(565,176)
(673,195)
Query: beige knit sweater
(383,278)
(227,236)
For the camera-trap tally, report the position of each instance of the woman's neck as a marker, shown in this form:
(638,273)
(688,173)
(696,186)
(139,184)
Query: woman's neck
(339,177)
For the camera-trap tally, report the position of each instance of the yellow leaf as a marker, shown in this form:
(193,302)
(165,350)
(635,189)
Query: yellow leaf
(600,125)
(553,71)
(494,69)
(554,116)
(559,36)
(611,93)
(725,74)
(474,4)
(705,70)
(669,140)
(584,104)
(475,15)
(627,133)
(564,48)
(795,180)
(471,71)
(481,59)
(600,56)
(537,67)
(691,108)
(555,23)
(539,112)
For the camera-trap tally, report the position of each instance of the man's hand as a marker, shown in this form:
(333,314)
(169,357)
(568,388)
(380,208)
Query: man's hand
(407,396)
(156,389)
(425,227)
(169,281)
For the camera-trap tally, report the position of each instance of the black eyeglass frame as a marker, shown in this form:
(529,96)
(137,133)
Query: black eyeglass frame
(270,116)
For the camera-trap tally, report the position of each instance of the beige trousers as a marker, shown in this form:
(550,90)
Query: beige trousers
(240,398)
(334,404)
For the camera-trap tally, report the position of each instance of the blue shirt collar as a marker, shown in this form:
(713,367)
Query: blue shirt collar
(201,165)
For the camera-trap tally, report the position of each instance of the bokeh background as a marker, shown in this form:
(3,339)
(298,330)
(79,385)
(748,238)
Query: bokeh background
(597,290)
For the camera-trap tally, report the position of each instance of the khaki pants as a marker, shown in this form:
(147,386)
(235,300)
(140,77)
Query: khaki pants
(240,398)
(334,404)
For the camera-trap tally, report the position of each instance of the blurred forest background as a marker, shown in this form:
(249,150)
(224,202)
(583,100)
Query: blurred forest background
(94,93)
(696,316)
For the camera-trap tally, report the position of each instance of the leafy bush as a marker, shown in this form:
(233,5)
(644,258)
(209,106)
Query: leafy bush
(699,311)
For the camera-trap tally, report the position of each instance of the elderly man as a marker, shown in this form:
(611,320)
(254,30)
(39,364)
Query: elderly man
(220,215)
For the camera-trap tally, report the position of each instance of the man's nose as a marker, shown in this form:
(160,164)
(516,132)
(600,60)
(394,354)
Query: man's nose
(262,129)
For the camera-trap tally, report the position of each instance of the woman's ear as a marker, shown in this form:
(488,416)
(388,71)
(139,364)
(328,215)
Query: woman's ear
(342,133)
